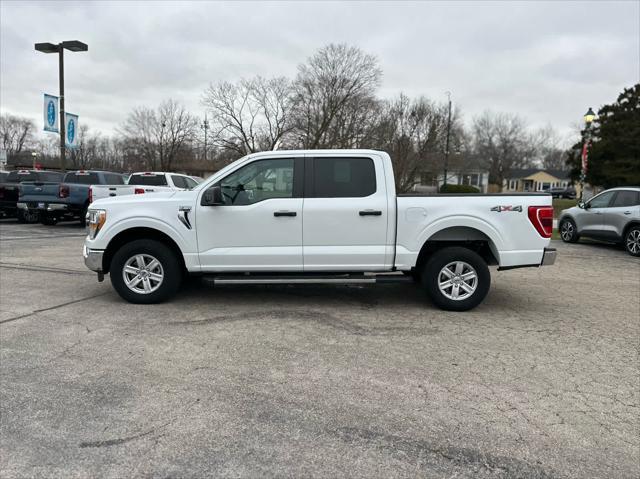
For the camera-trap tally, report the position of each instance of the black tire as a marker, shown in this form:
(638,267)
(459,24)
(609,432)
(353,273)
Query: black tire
(171,270)
(568,231)
(632,240)
(48,220)
(83,215)
(434,269)
(28,217)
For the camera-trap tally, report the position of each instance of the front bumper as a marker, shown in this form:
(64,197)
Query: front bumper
(549,257)
(93,258)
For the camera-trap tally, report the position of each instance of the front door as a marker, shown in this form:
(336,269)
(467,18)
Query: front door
(345,214)
(591,222)
(259,227)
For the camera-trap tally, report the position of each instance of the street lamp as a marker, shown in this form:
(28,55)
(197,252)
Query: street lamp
(73,46)
(589,116)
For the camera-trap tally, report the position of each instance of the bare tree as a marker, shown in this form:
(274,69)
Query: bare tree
(250,116)
(549,152)
(336,82)
(16,133)
(413,133)
(158,136)
(502,142)
(86,154)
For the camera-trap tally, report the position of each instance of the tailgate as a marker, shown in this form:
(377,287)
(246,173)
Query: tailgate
(99,192)
(39,191)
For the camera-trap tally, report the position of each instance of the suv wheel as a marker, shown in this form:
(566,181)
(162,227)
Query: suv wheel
(28,216)
(632,241)
(456,279)
(145,272)
(569,231)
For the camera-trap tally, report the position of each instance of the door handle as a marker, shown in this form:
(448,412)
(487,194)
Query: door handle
(371,213)
(627,212)
(285,213)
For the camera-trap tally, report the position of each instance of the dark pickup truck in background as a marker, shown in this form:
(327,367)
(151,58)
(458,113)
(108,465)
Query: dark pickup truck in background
(66,200)
(12,184)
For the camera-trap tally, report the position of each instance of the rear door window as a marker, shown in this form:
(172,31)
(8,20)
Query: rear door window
(626,198)
(343,177)
(148,180)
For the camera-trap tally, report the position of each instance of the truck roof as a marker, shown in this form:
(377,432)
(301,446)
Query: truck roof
(349,152)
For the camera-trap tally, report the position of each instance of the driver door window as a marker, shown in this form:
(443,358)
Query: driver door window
(259,181)
(601,201)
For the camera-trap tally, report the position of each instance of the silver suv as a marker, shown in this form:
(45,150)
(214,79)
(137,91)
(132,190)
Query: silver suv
(613,215)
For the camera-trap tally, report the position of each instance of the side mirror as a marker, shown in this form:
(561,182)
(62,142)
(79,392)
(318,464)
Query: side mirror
(212,197)
(583,205)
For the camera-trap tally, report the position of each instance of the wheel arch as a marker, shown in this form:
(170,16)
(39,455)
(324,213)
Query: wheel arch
(464,236)
(630,225)
(137,233)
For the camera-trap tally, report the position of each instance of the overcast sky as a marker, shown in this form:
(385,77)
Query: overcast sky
(547,61)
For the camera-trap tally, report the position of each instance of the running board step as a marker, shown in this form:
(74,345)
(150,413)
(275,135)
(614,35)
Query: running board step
(307,279)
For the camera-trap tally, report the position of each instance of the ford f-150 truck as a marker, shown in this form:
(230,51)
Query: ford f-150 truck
(147,182)
(67,200)
(326,216)
(11,188)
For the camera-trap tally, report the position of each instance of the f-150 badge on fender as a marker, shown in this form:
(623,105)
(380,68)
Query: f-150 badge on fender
(500,209)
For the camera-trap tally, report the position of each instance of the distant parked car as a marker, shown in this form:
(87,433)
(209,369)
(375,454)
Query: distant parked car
(68,199)
(613,215)
(568,192)
(147,182)
(11,188)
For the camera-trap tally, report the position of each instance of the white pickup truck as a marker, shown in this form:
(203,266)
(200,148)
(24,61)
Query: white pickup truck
(320,216)
(144,182)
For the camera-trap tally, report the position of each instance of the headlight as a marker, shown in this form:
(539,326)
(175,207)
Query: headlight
(95,220)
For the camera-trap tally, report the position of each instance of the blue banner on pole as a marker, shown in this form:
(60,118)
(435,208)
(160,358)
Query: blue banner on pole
(50,112)
(71,130)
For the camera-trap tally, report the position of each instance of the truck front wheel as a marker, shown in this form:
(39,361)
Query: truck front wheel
(145,272)
(456,278)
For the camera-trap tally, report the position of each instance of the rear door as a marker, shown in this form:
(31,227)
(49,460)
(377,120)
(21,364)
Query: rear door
(625,206)
(345,214)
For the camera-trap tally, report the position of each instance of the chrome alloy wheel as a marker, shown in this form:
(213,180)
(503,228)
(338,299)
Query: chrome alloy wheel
(143,274)
(457,280)
(633,241)
(566,231)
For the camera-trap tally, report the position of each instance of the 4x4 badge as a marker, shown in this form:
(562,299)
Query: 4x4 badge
(499,209)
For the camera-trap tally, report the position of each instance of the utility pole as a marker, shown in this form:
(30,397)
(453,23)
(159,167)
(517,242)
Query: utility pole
(446,149)
(74,46)
(205,127)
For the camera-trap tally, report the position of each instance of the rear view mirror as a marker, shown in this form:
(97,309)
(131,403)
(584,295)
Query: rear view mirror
(212,197)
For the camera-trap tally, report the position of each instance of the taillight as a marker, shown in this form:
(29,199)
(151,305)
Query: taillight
(138,191)
(63,191)
(541,218)
(90,194)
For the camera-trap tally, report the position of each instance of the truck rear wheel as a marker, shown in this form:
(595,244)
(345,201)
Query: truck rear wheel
(145,272)
(456,278)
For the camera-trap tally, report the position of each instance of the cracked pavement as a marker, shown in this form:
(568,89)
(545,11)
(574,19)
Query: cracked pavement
(541,381)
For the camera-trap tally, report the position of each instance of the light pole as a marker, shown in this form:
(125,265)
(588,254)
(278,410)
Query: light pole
(589,116)
(205,127)
(446,148)
(73,46)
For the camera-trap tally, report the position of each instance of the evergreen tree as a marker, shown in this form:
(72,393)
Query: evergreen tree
(614,155)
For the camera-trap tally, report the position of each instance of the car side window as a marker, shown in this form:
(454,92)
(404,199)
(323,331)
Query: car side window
(258,181)
(602,200)
(191,183)
(178,181)
(626,198)
(343,177)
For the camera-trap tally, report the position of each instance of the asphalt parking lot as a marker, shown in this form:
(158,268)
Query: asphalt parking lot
(542,380)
